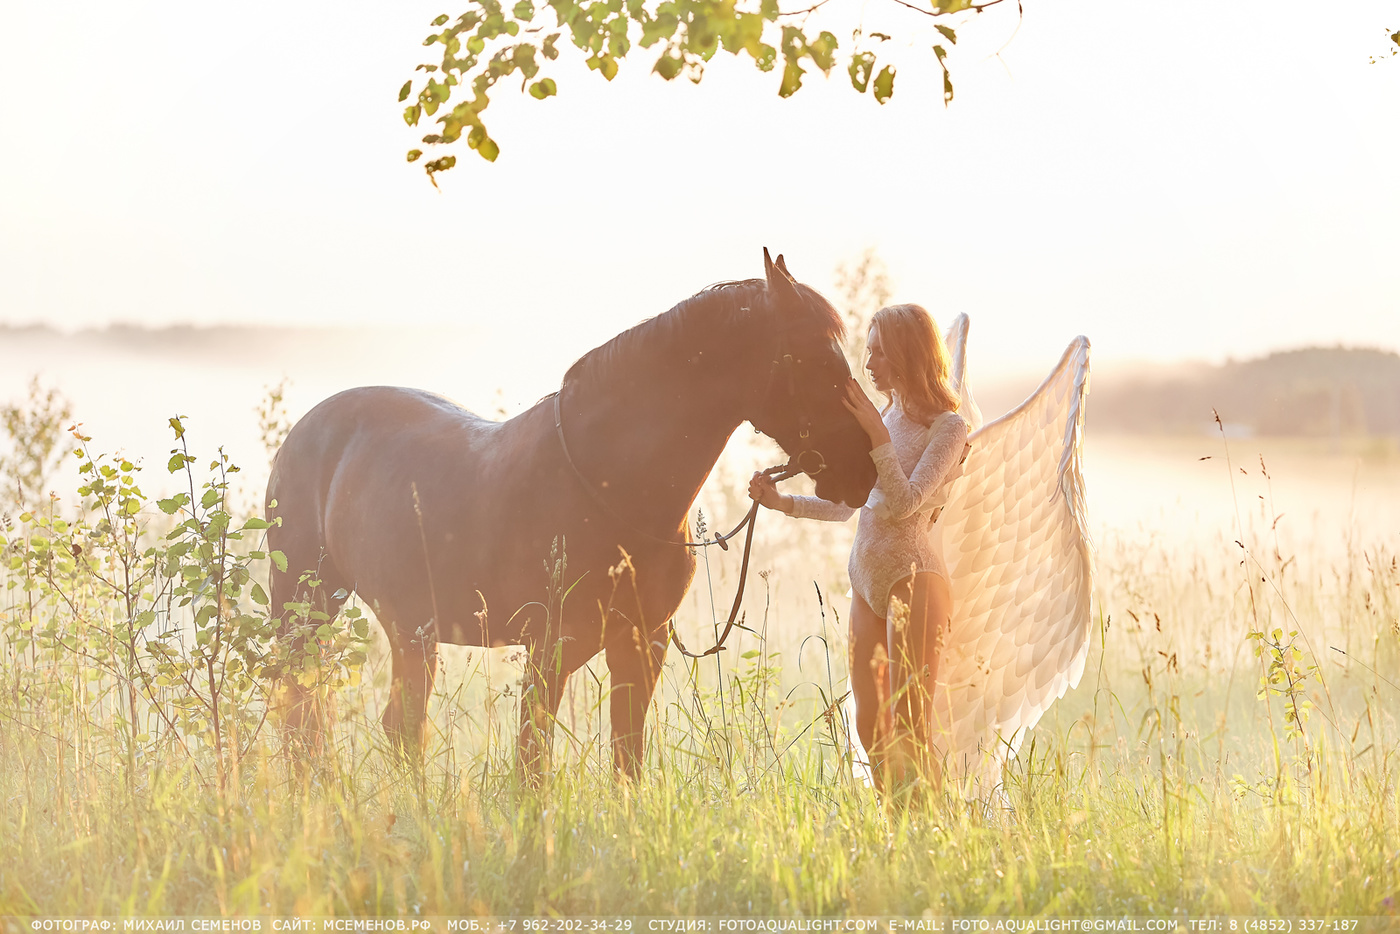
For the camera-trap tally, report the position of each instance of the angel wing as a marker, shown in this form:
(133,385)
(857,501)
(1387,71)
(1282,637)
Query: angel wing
(956,340)
(1021,568)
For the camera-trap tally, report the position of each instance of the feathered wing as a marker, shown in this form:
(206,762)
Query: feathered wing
(1020,565)
(956,340)
(1021,568)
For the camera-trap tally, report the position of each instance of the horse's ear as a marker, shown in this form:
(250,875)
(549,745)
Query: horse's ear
(780,284)
(783,266)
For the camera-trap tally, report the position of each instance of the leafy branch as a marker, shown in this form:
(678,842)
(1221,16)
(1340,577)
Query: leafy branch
(490,42)
(1286,674)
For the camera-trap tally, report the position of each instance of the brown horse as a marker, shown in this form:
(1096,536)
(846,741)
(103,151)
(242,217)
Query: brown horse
(443,522)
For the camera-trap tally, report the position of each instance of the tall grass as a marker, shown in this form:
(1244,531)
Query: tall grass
(1233,747)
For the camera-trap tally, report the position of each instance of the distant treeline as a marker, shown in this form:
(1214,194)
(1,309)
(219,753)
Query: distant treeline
(181,339)
(1317,391)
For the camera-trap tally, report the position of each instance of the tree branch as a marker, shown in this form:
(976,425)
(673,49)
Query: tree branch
(976,7)
(817,6)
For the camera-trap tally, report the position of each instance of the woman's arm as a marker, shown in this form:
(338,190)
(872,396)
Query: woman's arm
(814,507)
(765,491)
(902,496)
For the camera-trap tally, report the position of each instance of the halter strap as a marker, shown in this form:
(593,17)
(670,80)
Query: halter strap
(778,472)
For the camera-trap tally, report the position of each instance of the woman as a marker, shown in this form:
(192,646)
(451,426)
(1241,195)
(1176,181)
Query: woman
(901,603)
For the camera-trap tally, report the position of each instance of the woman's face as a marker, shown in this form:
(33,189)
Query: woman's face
(877,364)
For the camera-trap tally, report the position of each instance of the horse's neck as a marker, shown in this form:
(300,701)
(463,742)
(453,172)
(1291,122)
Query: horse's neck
(647,438)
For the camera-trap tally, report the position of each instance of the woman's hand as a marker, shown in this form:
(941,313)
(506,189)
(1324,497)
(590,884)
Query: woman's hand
(764,491)
(859,405)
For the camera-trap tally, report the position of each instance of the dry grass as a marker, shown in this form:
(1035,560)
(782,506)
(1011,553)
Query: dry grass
(1164,783)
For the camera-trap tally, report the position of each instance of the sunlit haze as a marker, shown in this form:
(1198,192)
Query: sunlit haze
(1174,187)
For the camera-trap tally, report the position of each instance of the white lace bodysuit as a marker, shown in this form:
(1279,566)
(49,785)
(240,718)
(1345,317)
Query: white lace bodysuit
(894,537)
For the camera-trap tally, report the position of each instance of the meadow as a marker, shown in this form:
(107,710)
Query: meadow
(1233,747)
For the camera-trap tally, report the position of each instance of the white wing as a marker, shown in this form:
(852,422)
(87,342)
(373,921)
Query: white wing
(1021,567)
(1021,570)
(957,350)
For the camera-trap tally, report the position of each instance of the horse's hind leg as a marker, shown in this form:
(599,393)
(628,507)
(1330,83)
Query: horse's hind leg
(635,668)
(547,672)
(415,669)
(305,710)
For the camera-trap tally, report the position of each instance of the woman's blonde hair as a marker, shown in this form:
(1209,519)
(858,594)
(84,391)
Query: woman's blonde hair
(910,340)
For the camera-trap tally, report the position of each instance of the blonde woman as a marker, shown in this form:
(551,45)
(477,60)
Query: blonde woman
(901,603)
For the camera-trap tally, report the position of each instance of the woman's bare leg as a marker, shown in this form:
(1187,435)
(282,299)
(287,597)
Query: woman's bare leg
(914,631)
(869,686)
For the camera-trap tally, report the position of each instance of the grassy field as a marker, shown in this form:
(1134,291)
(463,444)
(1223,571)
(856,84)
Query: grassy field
(140,775)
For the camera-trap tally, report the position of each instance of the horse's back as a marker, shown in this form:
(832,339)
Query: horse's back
(352,423)
(405,497)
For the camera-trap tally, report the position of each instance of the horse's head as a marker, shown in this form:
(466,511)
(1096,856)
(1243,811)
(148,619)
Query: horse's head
(806,380)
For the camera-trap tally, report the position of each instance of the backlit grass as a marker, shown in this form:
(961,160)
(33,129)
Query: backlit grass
(1166,782)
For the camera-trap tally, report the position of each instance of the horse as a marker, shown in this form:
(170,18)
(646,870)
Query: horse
(443,522)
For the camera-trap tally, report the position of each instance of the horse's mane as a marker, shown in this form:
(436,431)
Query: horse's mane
(715,310)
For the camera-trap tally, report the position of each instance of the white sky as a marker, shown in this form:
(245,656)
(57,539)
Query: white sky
(1174,182)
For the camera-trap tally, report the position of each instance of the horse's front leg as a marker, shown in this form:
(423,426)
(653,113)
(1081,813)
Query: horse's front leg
(634,661)
(414,670)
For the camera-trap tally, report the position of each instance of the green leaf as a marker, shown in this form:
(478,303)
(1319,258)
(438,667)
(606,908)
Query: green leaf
(171,505)
(524,58)
(668,65)
(543,88)
(823,51)
(524,11)
(488,149)
(279,559)
(862,63)
(178,425)
(439,165)
(414,155)
(792,79)
(257,523)
(942,54)
(884,84)
(405,90)
(441,20)
(948,33)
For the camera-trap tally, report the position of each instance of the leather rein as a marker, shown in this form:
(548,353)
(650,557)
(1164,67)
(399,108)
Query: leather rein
(778,472)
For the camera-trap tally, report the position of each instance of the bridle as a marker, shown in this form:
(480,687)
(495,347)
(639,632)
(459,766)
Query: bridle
(783,366)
